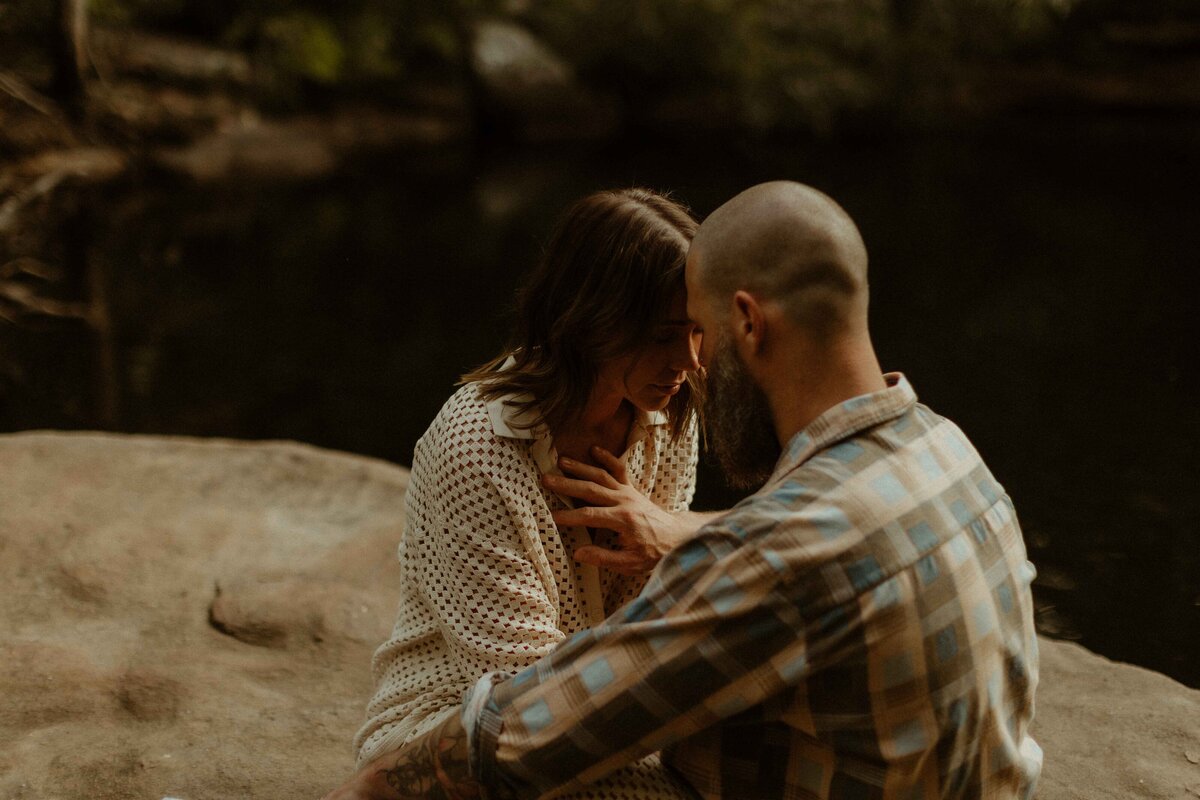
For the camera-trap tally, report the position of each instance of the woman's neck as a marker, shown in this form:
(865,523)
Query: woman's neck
(604,422)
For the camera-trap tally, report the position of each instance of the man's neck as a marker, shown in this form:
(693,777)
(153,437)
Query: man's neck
(808,381)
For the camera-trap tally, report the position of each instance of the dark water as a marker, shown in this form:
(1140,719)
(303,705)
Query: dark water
(1035,283)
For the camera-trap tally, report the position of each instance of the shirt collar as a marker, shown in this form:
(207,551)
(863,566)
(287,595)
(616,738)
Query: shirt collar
(514,422)
(846,419)
(513,416)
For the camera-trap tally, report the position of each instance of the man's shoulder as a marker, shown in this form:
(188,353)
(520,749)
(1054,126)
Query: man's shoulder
(914,476)
(920,446)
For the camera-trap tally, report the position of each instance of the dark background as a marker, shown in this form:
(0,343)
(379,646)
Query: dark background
(267,220)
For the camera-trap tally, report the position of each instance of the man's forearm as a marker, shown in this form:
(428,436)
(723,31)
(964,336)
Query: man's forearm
(692,521)
(432,766)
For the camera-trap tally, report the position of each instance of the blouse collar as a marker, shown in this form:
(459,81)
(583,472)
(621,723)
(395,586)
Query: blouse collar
(514,416)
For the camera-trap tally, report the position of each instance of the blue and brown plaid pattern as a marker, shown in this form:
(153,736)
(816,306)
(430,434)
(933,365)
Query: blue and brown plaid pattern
(861,627)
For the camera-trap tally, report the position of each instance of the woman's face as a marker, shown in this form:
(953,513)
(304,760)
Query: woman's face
(651,376)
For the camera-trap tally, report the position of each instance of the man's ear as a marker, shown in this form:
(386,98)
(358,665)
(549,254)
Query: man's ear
(749,322)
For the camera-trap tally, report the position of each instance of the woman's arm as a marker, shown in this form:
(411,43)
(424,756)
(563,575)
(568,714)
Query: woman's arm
(479,595)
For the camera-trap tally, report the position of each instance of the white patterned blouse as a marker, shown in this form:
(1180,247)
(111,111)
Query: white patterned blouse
(488,581)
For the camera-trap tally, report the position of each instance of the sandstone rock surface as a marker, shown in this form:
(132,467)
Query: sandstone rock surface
(194,619)
(187,619)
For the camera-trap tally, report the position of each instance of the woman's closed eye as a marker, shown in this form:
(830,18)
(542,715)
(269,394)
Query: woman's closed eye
(665,334)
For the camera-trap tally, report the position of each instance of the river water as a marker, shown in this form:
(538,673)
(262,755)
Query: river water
(1036,282)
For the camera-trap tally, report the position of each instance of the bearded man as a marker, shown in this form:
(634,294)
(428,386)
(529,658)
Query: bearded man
(859,627)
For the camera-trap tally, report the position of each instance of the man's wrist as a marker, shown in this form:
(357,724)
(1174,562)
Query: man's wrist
(688,522)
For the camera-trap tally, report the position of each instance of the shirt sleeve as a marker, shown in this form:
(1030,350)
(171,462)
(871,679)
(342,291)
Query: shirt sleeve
(477,595)
(483,582)
(713,634)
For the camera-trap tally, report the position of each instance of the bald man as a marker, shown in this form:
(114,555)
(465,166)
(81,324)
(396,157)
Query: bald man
(859,627)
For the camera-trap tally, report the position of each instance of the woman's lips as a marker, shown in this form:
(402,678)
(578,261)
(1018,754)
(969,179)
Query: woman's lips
(668,388)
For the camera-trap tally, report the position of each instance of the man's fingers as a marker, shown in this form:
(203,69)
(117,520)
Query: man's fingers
(616,560)
(587,491)
(588,473)
(614,465)
(587,517)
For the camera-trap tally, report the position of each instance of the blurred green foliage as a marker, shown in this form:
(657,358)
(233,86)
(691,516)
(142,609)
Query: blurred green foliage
(307,45)
(770,63)
(327,43)
(786,62)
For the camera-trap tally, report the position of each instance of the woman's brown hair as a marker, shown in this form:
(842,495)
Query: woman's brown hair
(614,262)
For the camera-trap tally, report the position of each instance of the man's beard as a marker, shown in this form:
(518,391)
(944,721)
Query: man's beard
(740,426)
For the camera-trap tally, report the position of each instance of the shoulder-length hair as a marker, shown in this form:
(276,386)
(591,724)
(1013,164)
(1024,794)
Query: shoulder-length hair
(612,266)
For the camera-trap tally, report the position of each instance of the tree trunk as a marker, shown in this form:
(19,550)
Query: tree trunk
(69,51)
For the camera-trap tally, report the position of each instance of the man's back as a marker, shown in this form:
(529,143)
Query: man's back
(918,648)
(859,628)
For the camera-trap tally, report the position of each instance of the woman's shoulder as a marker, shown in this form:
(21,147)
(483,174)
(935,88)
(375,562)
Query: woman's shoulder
(467,401)
(463,417)
(474,427)
(462,444)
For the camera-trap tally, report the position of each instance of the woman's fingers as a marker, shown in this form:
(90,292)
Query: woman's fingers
(614,465)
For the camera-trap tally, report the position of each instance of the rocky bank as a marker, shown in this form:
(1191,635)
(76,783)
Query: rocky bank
(194,619)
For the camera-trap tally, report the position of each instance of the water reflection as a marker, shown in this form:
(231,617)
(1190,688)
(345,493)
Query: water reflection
(1034,284)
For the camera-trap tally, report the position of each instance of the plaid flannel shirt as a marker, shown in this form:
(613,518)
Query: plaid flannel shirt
(861,627)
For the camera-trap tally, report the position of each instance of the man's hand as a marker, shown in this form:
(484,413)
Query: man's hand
(432,766)
(644,531)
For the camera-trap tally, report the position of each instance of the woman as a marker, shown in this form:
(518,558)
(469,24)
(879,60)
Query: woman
(603,357)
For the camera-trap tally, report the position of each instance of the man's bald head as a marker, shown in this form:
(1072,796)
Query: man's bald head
(789,244)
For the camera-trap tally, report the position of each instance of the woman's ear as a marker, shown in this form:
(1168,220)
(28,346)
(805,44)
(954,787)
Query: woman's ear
(749,322)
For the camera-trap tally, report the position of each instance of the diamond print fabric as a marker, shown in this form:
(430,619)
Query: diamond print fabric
(489,583)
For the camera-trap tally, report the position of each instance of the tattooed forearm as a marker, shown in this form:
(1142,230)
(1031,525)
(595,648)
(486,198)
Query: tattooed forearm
(434,766)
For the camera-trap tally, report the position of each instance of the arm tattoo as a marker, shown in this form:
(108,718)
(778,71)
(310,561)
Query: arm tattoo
(434,766)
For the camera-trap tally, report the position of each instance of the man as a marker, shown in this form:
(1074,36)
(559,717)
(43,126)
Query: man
(860,627)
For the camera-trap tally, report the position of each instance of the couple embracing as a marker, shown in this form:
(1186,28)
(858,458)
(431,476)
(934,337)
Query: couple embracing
(859,627)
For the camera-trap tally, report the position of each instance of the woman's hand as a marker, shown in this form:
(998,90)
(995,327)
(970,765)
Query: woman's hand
(644,531)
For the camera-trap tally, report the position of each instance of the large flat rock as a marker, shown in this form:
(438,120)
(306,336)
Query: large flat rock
(1114,731)
(187,618)
(194,619)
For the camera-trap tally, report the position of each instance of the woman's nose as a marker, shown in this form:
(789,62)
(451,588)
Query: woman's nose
(687,358)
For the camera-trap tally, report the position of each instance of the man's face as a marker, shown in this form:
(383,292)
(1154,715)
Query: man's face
(740,425)
(699,306)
